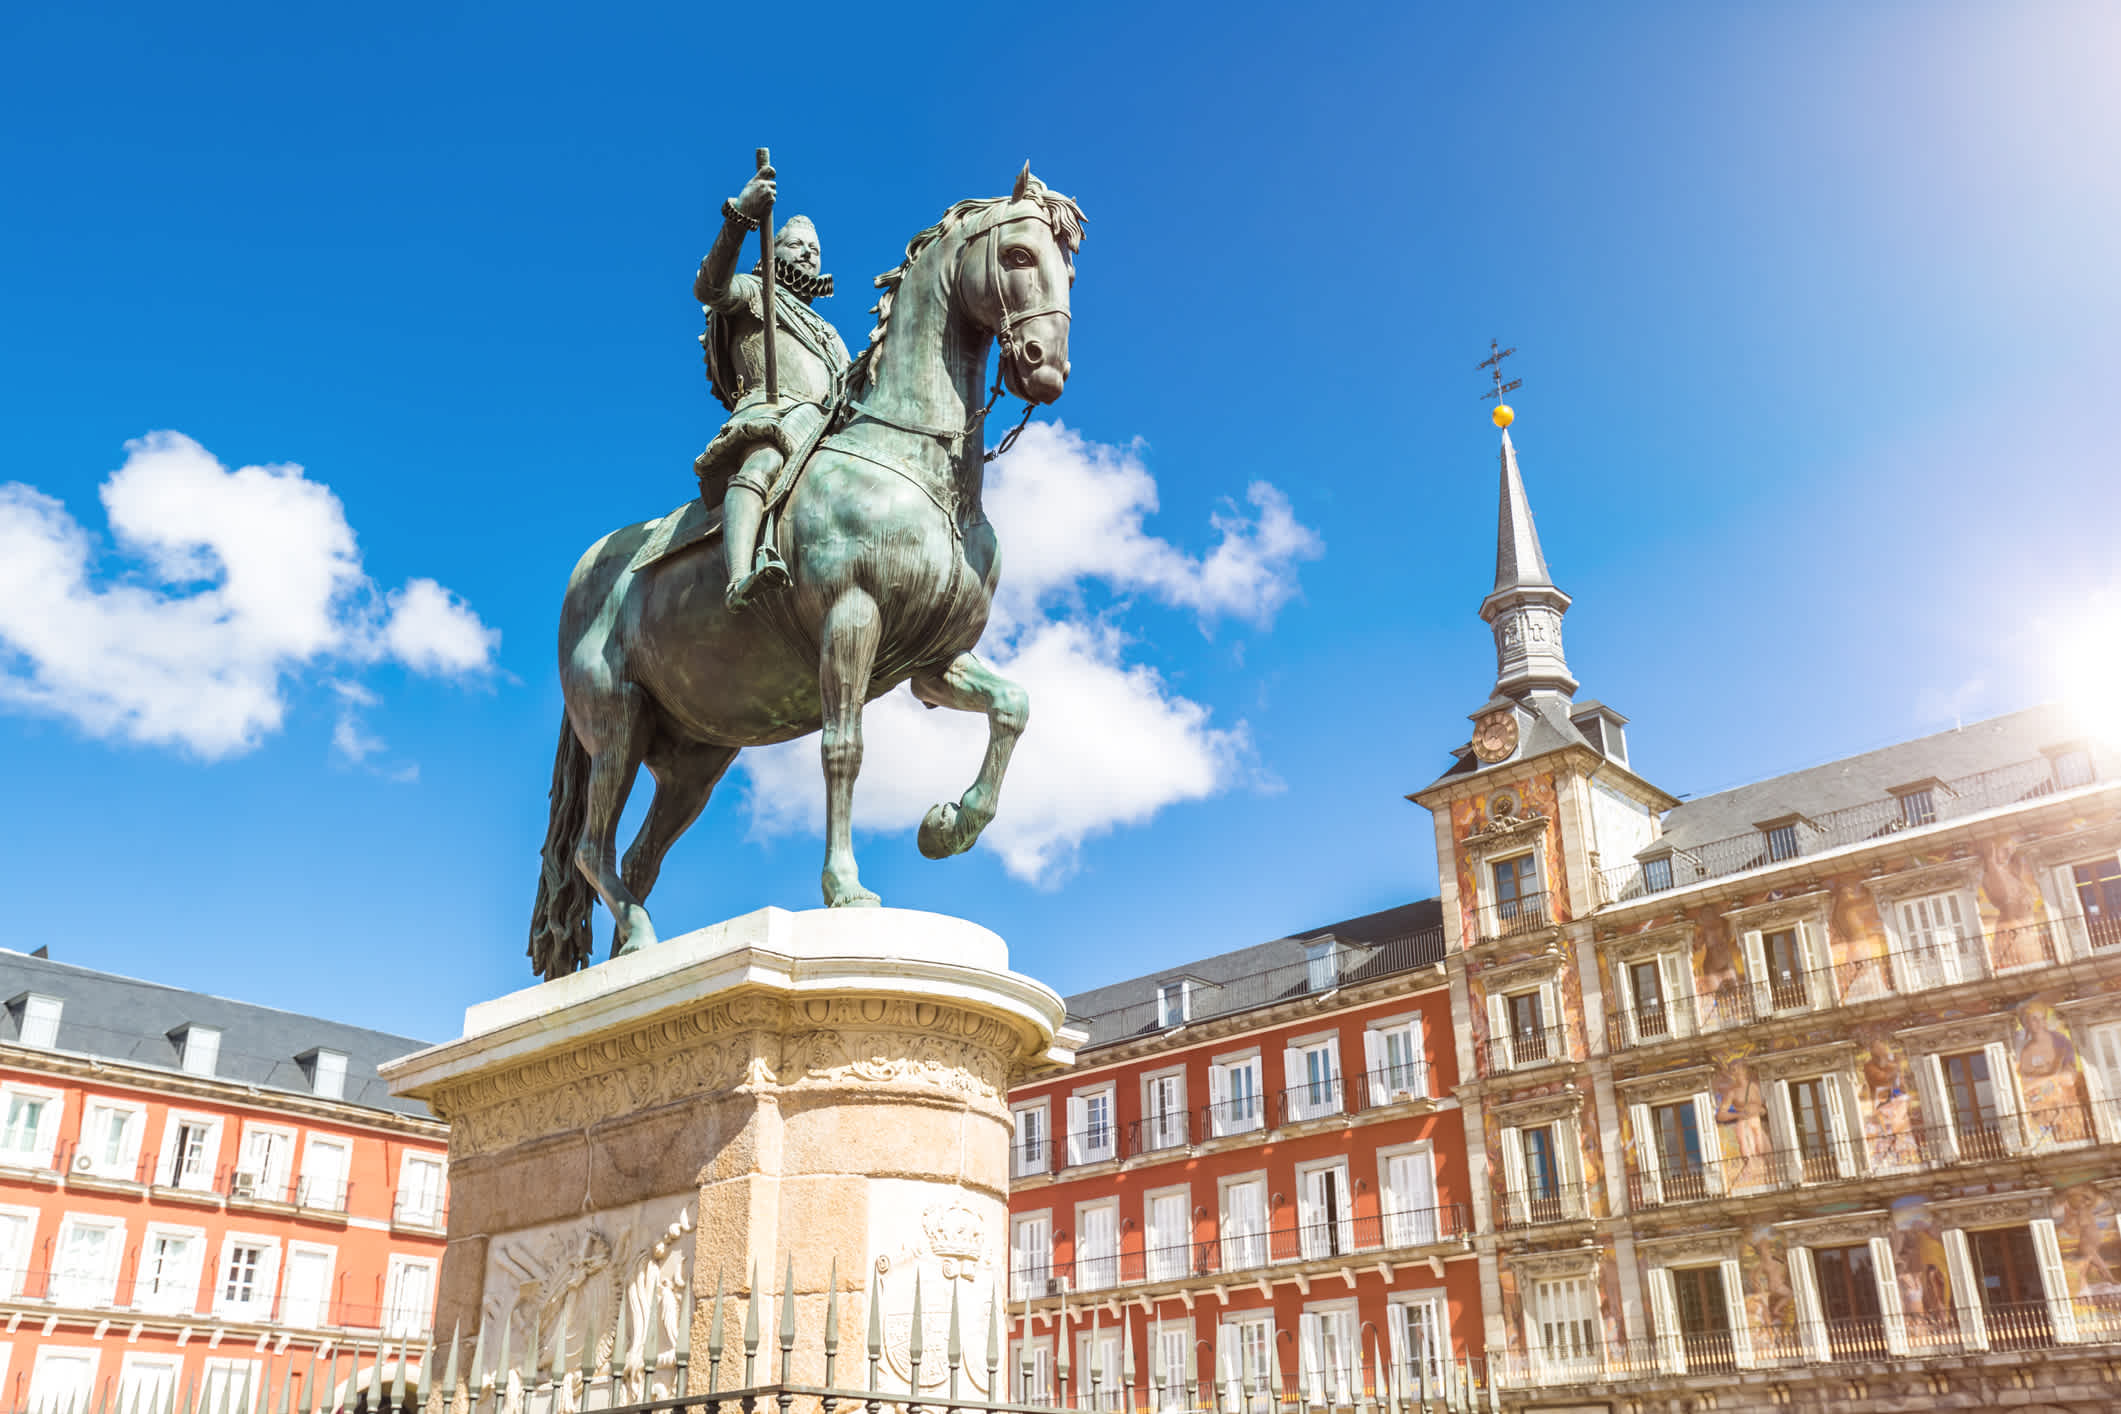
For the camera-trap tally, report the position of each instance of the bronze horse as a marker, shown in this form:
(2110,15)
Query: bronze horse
(893,565)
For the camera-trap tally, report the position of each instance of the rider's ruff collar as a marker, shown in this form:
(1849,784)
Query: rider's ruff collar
(797,282)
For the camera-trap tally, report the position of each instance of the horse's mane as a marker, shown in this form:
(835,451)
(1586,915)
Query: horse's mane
(1062,214)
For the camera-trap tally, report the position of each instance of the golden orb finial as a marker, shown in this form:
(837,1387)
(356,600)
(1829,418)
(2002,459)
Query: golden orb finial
(1503,415)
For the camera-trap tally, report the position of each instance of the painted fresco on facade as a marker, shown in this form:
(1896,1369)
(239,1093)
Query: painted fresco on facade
(1741,1121)
(2090,1237)
(1763,1262)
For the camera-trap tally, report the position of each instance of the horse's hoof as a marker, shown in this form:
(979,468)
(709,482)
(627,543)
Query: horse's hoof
(838,895)
(938,836)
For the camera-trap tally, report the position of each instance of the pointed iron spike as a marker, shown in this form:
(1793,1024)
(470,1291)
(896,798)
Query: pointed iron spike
(714,1321)
(788,1306)
(832,1312)
(397,1379)
(309,1385)
(1126,1352)
(751,1317)
(589,1358)
(502,1366)
(994,1336)
(287,1388)
(954,1352)
(264,1385)
(876,1317)
(478,1361)
(688,1309)
(449,1375)
(651,1327)
(375,1378)
(187,1395)
(913,1338)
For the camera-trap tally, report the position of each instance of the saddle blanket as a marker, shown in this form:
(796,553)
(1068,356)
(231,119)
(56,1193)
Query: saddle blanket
(693,523)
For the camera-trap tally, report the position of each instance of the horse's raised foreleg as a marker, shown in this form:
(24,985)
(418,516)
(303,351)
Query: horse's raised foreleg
(684,778)
(968,685)
(622,738)
(848,637)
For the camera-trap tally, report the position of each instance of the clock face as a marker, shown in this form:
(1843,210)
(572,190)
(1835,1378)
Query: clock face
(1495,736)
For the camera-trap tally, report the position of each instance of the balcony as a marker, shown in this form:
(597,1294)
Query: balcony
(1170,1130)
(1856,824)
(1499,1055)
(418,1212)
(1748,1002)
(1033,1158)
(1551,1203)
(1232,1254)
(1318,1099)
(1510,918)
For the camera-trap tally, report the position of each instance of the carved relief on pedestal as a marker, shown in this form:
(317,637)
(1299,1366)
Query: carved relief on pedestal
(948,1251)
(751,1042)
(577,1275)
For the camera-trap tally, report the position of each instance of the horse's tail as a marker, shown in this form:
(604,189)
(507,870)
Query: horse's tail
(560,940)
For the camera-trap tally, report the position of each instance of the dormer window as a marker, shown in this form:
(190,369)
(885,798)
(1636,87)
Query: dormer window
(327,1073)
(198,1048)
(1173,1001)
(1918,807)
(1321,967)
(2073,767)
(1781,840)
(1657,874)
(40,1020)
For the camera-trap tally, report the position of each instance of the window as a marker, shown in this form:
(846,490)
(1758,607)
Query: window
(193,1148)
(1421,1346)
(40,1021)
(1848,1302)
(1657,874)
(247,1271)
(1030,1152)
(1031,1371)
(227,1384)
(2013,1300)
(420,1191)
(30,1127)
(85,1263)
(62,1381)
(1030,1255)
(1935,949)
(1332,1353)
(1171,1363)
(18,1229)
(168,1282)
(2072,768)
(1542,1173)
(324,1165)
(1164,1111)
(199,1050)
(1392,1052)
(1561,1329)
(1090,1126)
(1782,841)
(1658,997)
(1409,1198)
(1233,1096)
(1783,976)
(148,1382)
(1678,1133)
(1097,1371)
(1813,1130)
(327,1074)
(1321,967)
(409,1309)
(1169,1241)
(1975,1108)
(305,1296)
(2098,887)
(1704,1319)
(1918,807)
(1519,901)
(1528,1032)
(1313,1071)
(1327,1222)
(1521,1028)
(1243,1352)
(1244,1223)
(266,1164)
(1647,990)
(110,1140)
(1097,1245)
(1173,1003)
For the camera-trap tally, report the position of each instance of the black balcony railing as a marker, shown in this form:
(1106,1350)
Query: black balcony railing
(1318,1099)
(1871,820)
(1545,1203)
(1498,1055)
(1392,1085)
(1171,1130)
(1246,1114)
(1370,1233)
(1507,918)
(1031,1158)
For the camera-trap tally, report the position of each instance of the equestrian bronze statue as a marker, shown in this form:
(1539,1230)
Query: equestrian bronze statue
(881,565)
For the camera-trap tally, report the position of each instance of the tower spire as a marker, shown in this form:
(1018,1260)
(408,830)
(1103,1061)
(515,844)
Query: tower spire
(1525,607)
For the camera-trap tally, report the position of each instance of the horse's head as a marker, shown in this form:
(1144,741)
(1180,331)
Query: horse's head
(1014,277)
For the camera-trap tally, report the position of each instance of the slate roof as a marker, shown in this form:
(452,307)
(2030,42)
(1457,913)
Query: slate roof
(1979,747)
(1373,945)
(124,1018)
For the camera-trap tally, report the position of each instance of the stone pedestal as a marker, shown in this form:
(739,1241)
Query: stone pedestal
(828,1085)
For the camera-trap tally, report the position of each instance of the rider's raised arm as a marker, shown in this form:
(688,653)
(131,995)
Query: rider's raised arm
(718,286)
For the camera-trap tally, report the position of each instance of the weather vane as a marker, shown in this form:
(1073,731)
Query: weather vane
(1503,415)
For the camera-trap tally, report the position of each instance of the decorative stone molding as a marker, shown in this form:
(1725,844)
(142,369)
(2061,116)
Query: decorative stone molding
(1994,1210)
(2075,847)
(1832,1056)
(2091,1010)
(1672,937)
(1967,1034)
(1937,878)
(1665,1084)
(1839,1230)
(1690,1248)
(1501,834)
(1814,905)
(1539,1109)
(1543,967)
(1562,1262)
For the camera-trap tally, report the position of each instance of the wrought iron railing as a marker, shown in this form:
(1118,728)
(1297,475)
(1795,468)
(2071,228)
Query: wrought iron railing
(1507,918)
(1548,1203)
(1031,1158)
(1318,1099)
(1871,820)
(1497,1055)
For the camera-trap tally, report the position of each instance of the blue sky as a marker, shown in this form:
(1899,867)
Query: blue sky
(1817,308)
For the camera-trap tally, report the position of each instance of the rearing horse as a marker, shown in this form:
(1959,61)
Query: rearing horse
(893,565)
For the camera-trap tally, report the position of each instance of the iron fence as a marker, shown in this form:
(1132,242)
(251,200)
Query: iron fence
(1870,820)
(1507,918)
(1497,1055)
(1550,1203)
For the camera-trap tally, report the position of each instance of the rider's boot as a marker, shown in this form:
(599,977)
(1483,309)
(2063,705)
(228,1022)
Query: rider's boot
(742,510)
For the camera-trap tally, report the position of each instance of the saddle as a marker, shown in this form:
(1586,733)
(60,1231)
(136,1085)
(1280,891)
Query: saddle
(694,523)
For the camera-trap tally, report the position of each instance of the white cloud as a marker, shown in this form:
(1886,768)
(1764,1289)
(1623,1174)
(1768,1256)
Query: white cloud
(1110,744)
(238,580)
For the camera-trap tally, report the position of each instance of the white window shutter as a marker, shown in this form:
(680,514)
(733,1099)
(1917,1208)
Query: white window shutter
(1417,1038)
(1712,1174)
(1900,945)
(2054,1281)
(1513,1175)
(1535,1296)
(2101,1061)
(1888,1277)
(1310,1357)
(1630,1022)
(1683,998)
(1734,1304)
(2003,1085)
(1811,1317)
(1782,1131)
(1756,972)
(1824,989)
(1550,1021)
(1226,1368)
(1218,1100)
(1937,1109)
(1292,1061)
(1568,1147)
(1078,1122)
(1500,1048)
(1375,1091)
(1957,954)
(1966,1291)
(1843,1127)
(1648,1169)
(1664,1322)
